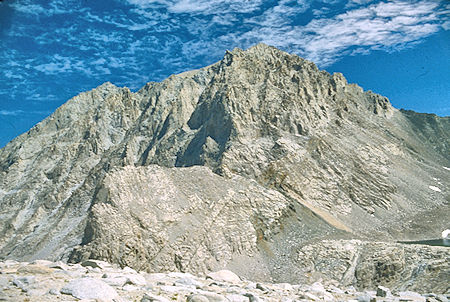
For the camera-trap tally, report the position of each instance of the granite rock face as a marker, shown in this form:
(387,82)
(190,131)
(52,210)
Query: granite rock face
(238,165)
(179,219)
(368,264)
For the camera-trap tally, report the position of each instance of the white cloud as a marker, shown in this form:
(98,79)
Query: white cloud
(53,7)
(100,61)
(366,25)
(52,68)
(446,25)
(280,15)
(204,7)
(57,65)
(388,26)
(11,112)
(18,112)
(31,9)
(11,75)
(358,2)
(103,70)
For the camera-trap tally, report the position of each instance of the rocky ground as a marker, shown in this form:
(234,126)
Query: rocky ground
(94,280)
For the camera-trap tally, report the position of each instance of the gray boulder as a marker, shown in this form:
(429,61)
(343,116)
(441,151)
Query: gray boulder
(90,288)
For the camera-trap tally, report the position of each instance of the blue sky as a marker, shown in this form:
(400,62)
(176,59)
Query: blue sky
(50,50)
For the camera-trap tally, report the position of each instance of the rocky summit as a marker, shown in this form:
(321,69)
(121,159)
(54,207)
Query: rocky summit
(260,164)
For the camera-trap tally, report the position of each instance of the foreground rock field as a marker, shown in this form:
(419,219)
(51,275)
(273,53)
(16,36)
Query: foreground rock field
(94,280)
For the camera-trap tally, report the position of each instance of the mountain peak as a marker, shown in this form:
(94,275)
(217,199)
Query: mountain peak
(289,154)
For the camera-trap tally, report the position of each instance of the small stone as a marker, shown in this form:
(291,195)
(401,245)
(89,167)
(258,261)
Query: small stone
(366,298)
(130,288)
(309,296)
(156,276)
(53,291)
(236,298)
(34,269)
(118,281)
(383,291)
(9,262)
(43,262)
(350,290)
(250,285)
(60,265)
(136,280)
(129,270)
(212,297)
(180,275)
(4,281)
(89,288)
(24,283)
(441,298)
(317,287)
(327,297)
(252,297)
(188,282)
(96,264)
(235,290)
(37,292)
(153,298)
(224,276)
(336,290)
(173,289)
(285,286)
(411,296)
(94,270)
(196,298)
(261,287)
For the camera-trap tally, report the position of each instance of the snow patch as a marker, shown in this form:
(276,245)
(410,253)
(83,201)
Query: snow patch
(446,168)
(436,189)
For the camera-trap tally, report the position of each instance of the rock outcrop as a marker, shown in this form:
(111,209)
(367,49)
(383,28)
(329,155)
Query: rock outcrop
(180,219)
(368,264)
(238,165)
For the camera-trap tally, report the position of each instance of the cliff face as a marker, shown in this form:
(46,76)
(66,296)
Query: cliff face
(290,155)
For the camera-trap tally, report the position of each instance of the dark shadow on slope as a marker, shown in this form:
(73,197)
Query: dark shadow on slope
(432,242)
(433,129)
(215,128)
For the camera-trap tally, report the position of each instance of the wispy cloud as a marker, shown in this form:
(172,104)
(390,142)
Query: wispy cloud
(22,112)
(203,7)
(57,65)
(55,7)
(364,26)
(388,26)
(11,112)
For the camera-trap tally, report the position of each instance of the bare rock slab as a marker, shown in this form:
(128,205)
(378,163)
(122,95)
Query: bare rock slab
(90,288)
(224,276)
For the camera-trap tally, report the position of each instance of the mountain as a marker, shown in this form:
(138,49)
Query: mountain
(240,164)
